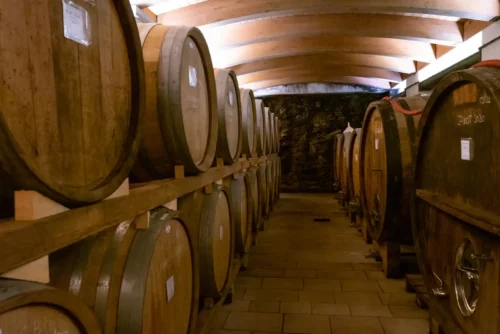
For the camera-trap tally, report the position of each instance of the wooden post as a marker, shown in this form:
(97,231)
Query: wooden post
(391,262)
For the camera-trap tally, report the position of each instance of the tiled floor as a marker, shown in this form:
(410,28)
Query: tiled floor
(312,277)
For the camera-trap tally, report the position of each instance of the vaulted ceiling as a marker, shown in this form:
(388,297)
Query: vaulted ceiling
(367,42)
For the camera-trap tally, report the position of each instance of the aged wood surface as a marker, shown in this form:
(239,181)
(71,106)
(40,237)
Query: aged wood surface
(249,122)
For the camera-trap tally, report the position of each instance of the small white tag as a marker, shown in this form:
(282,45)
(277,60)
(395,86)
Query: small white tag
(221,232)
(467,149)
(168,228)
(191,45)
(170,288)
(231,98)
(356,156)
(376,143)
(193,80)
(76,23)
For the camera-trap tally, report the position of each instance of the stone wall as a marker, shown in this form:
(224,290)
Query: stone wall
(306,147)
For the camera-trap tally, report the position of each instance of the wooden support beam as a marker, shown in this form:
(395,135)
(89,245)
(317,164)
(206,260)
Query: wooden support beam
(324,78)
(401,65)
(369,25)
(25,241)
(227,11)
(318,69)
(313,44)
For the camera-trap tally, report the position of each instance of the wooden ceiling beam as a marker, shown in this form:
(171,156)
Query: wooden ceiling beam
(318,69)
(230,11)
(418,51)
(321,78)
(370,25)
(328,58)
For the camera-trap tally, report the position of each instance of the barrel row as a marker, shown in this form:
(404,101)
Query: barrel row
(133,101)
(429,179)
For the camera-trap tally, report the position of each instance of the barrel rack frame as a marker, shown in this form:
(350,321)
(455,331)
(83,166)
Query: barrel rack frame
(24,241)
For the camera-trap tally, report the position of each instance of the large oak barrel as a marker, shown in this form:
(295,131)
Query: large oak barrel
(229,139)
(272,122)
(261,128)
(253,196)
(242,213)
(457,207)
(71,100)
(353,177)
(388,141)
(270,132)
(27,307)
(344,169)
(215,242)
(181,120)
(249,122)
(136,281)
(338,147)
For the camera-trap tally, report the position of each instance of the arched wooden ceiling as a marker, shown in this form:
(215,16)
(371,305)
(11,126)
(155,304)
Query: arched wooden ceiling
(338,41)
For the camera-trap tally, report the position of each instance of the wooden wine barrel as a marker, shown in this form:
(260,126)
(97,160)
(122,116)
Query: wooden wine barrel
(277,133)
(136,281)
(215,243)
(353,175)
(387,144)
(253,196)
(270,183)
(263,192)
(181,119)
(271,134)
(337,168)
(242,213)
(70,112)
(249,122)
(278,178)
(344,169)
(261,128)
(27,307)
(456,209)
(229,139)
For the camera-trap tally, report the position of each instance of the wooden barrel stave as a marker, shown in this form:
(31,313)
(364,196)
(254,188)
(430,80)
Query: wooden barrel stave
(344,169)
(177,60)
(387,142)
(254,200)
(337,168)
(352,172)
(131,277)
(261,128)
(242,213)
(263,193)
(27,307)
(249,122)
(229,139)
(454,184)
(56,141)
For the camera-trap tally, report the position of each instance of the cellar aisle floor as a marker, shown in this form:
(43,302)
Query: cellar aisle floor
(312,277)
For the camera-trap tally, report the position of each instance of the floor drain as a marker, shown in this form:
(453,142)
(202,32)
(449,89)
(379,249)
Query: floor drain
(321,220)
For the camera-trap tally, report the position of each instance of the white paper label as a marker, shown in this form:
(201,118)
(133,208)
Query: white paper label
(191,45)
(168,228)
(170,288)
(221,232)
(76,23)
(231,98)
(193,80)
(466,149)
(356,156)
(376,143)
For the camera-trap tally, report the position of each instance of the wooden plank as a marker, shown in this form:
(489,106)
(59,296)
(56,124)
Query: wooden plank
(217,11)
(419,51)
(345,24)
(318,69)
(299,79)
(25,241)
(328,58)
